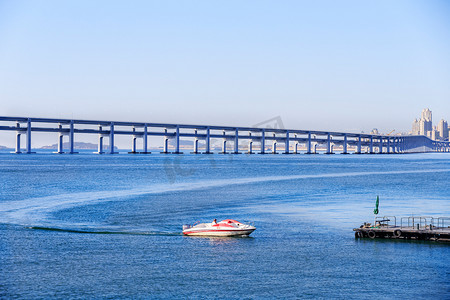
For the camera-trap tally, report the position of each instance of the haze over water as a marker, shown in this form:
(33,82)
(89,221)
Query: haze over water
(89,226)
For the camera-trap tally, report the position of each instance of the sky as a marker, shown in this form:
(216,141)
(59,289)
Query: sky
(320,65)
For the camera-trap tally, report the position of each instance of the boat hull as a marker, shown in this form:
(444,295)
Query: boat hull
(206,232)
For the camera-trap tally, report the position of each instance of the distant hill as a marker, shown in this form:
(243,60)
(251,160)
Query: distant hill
(77,145)
(4,148)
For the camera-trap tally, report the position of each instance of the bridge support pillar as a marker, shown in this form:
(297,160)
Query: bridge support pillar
(28,145)
(236,142)
(250,144)
(345,145)
(72,138)
(177,141)
(133,142)
(111,138)
(224,144)
(208,140)
(286,144)
(224,147)
(315,148)
(380,147)
(274,145)
(263,142)
(195,146)
(60,141)
(17,150)
(100,141)
(165,143)
(100,145)
(133,145)
(308,144)
(18,134)
(388,147)
(329,151)
(358,149)
(145,141)
(195,151)
(371,145)
(295,145)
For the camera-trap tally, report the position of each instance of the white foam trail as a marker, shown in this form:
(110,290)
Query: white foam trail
(35,210)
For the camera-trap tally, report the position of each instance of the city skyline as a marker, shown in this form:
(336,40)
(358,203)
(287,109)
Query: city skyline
(424,126)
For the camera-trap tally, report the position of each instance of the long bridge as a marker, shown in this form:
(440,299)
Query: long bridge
(346,142)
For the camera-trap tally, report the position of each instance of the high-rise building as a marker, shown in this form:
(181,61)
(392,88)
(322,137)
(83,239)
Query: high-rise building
(442,128)
(424,126)
(415,127)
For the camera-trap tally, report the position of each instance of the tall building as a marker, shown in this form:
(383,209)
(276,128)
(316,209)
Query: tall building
(424,126)
(442,128)
(415,127)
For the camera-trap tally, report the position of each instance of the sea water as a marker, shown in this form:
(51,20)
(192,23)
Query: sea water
(109,226)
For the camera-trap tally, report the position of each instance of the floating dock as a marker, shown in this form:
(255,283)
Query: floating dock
(411,228)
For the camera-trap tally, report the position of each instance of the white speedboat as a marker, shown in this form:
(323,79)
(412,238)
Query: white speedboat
(226,227)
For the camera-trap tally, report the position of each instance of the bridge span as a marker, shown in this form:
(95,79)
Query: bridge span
(257,140)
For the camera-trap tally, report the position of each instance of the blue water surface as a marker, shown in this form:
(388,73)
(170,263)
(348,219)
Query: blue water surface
(109,226)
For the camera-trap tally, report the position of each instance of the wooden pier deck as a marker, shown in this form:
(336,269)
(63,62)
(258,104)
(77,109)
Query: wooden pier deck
(411,228)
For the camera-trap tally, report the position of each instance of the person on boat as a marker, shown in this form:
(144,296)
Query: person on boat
(214,221)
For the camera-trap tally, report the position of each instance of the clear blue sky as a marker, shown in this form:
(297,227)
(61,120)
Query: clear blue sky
(325,65)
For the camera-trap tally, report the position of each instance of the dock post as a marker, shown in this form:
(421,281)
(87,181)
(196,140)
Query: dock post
(308,145)
(274,145)
(344,145)
(263,142)
(18,134)
(29,136)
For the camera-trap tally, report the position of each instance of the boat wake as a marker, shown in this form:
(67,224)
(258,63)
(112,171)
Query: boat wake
(36,212)
(93,231)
